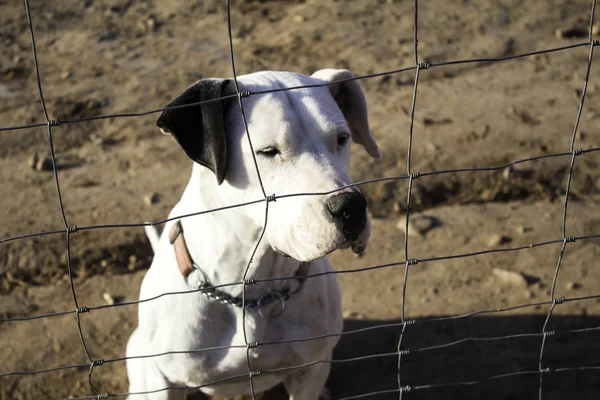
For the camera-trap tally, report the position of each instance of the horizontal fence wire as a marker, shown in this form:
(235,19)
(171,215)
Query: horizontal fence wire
(289,88)
(308,276)
(407,262)
(349,332)
(417,175)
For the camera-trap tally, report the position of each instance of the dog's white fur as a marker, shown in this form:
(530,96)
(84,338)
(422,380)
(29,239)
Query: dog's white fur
(305,126)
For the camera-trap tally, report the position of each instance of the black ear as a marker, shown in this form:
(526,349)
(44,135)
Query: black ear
(200,129)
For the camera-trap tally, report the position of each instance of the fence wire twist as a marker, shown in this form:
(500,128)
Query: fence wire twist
(410,176)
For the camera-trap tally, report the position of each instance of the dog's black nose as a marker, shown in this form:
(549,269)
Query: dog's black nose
(349,213)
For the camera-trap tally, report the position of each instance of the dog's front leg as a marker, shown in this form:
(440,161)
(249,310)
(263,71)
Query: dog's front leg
(144,375)
(308,383)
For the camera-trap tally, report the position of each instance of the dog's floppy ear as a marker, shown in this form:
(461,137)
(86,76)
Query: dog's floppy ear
(351,100)
(200,129)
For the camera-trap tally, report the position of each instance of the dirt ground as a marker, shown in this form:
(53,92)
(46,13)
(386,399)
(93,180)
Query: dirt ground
(118,56)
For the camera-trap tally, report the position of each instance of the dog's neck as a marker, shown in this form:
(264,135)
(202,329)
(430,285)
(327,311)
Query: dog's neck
(226,256)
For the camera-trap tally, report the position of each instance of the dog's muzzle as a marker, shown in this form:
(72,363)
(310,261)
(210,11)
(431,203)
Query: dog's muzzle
(348,210)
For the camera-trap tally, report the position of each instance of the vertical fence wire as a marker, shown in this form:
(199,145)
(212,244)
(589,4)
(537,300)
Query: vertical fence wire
(249,345)
(412,176)
(565,238)
(68,229)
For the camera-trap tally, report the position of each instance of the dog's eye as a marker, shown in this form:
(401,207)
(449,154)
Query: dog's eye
(269,151)
(343,139)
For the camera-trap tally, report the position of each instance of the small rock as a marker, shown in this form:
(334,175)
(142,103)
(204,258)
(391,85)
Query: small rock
(97,139)
(44,164)
(521,229)
(529,294)
(432,147)
(419,225)
(33,160)
(497,239)
(573,286)
(108,298)
(571,33)
(66,75)
(353,315)
(103,263)
(595,30)
(434,291)
(299,18)
(132,262)
(510,277)
(151,199)
(151,24)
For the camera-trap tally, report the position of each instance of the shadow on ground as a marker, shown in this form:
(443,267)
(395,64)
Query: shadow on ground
(467,361)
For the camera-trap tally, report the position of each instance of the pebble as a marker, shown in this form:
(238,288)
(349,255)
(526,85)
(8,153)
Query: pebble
(571,33)
(573,285)
(132,262)
(108,298)
(497,239)
(32,160)
(419,225)
(353,315)
(432,147)
(44,164)
(151,199)
(97,139)
(151,23)
(510,277)
(521,229)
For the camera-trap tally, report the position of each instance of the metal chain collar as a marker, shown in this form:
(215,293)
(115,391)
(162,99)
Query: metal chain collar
(277,295)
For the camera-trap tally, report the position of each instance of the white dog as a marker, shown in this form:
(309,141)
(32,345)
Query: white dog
(300,139)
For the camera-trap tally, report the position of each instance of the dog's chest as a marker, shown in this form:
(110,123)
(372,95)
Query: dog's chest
(274,345)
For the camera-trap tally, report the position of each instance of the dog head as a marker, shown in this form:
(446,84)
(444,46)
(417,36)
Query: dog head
(300,142)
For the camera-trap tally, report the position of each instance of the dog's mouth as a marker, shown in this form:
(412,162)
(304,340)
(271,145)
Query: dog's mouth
(358,247)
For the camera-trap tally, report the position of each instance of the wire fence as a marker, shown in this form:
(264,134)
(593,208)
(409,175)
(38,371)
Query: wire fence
(408,262)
